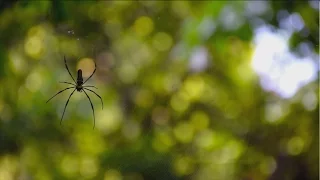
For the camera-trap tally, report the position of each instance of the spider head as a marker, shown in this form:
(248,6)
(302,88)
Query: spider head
(79,88)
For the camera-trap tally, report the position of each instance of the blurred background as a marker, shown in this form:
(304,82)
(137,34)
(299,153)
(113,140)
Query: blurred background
(199,90)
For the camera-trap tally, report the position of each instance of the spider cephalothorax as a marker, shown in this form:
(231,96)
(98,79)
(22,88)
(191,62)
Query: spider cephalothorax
(78,85)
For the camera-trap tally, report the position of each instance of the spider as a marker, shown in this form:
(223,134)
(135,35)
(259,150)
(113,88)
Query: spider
(79,86)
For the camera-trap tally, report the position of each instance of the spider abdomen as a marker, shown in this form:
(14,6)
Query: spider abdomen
(79,78)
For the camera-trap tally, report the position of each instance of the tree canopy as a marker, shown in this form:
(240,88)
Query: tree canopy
(199,90)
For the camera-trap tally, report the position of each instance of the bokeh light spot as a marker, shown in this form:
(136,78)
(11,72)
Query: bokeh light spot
(84,142)
(34,43)
(88,167)
(109,120)
(280,70)
(163,141)
(87,66)
(171,82)
(144,98)
(143,26)
(268,166)
(180,8)
(199,59)
(295,146)
(205,139)
(30,155)
(194,87)
(183,165)
(160,115)
(17,63)
(162,41)
(8,167)
(184,132)
(34,81)
(309,100)
(69,165)
(94,12)
(33,46)
(179,103)
(131,130)
(112,174)
(200,120)
(128,73)
(274,112)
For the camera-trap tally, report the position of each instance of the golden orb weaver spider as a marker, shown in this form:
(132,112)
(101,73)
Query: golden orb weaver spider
(79,86)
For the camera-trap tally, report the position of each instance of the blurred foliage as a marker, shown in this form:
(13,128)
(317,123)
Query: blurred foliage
(162,118)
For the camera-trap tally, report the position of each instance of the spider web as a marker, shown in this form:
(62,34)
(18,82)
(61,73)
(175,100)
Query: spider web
(80,49)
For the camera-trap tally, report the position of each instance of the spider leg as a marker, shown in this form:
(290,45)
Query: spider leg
(94,119)
(66,105)
(95,68)
(68,83)
(90,86)
(95,94)
(65,62)
(59,93)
